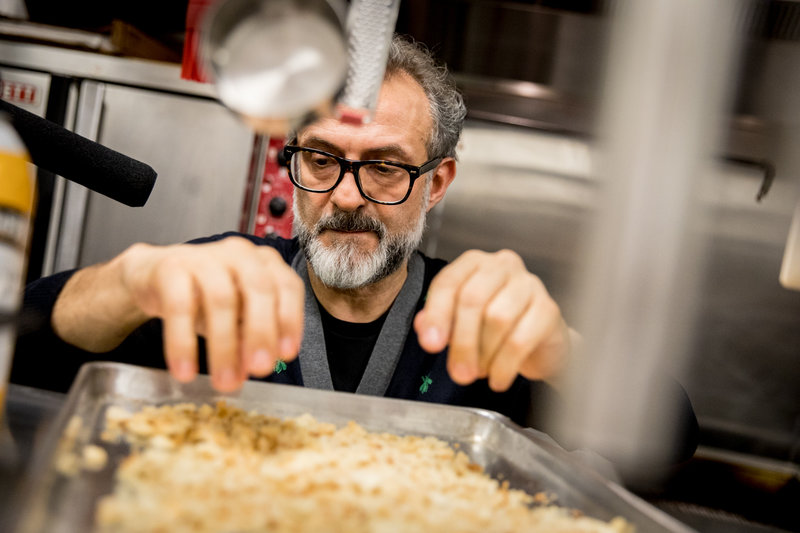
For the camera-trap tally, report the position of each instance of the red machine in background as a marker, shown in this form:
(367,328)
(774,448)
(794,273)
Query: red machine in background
(191,67)
(267,208)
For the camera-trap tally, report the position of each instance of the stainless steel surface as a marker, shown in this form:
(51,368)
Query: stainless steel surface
(59,193)
(124,71)
(76,197)
(202,155)
(710,520)
(529,462)
(69,37)
(200,150)
(540,67)
(524,103)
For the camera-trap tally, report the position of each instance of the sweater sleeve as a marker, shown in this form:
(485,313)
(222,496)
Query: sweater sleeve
(41,358)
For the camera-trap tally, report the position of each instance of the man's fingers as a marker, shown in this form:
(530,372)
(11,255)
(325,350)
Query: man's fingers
(473,305)
(502,314)
(178,313)
(434,323)
(519,352)
(244,299)
(259,330)
(271,294)
(465,342)
(220,300)
(291,293)
(273,317)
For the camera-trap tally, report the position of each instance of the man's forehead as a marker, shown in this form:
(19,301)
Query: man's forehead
(402,119)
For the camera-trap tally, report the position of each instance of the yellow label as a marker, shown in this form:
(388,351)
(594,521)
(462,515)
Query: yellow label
(2,401)
(16,182)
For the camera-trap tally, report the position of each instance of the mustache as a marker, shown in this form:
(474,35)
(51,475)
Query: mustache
(350,221)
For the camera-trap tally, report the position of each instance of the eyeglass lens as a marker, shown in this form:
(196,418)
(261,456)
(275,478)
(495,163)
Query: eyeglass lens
(379,181)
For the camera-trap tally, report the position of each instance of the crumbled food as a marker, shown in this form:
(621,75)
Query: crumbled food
(70,458)
(93,458)
(215,469)
(67,462)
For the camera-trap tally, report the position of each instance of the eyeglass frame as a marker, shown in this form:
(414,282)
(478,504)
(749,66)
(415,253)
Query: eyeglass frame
(352,166)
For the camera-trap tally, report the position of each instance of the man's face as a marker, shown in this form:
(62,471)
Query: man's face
(350,241)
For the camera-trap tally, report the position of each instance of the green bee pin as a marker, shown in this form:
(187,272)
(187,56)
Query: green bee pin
(426,382)
(280,366)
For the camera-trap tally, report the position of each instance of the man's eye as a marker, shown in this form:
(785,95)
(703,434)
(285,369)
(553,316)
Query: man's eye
(385,170)
(321,161)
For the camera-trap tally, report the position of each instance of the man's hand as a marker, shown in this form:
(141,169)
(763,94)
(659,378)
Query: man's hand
(244,299)
(498,319)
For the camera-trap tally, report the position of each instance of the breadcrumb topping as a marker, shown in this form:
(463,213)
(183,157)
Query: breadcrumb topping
(221,469)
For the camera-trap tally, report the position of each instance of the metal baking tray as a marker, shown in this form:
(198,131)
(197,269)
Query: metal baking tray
(55,503)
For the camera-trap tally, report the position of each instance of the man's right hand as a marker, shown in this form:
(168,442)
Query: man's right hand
(243,298)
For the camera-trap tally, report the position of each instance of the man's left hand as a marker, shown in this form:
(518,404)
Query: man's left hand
(498,319)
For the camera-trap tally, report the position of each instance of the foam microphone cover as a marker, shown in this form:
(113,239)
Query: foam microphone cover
(78,159)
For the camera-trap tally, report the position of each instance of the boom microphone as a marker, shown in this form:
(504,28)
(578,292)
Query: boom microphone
(85,162)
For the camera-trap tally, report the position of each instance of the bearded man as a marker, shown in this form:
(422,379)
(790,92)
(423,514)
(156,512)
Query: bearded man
(348,304)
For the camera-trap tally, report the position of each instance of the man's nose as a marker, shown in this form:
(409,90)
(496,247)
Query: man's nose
(346,195)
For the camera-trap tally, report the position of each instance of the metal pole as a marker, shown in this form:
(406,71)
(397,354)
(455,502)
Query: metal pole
(667,89)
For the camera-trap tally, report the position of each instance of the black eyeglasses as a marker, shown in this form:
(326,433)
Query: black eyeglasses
(382,182)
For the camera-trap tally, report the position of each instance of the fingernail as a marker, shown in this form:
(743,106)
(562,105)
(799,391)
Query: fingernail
(227,378)
(184,370)
(287,348)
(462,372)
(495,385)
(433,336)
(262,360)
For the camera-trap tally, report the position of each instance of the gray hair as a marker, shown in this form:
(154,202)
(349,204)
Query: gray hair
(446,103)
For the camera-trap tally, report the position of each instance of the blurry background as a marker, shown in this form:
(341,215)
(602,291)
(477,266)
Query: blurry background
(532,73)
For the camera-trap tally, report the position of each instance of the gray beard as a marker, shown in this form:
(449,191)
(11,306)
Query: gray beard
(343,266)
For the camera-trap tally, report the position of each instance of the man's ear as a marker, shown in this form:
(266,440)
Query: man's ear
(441,179)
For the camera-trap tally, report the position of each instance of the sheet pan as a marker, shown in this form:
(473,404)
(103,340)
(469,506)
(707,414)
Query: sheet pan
(55,503)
